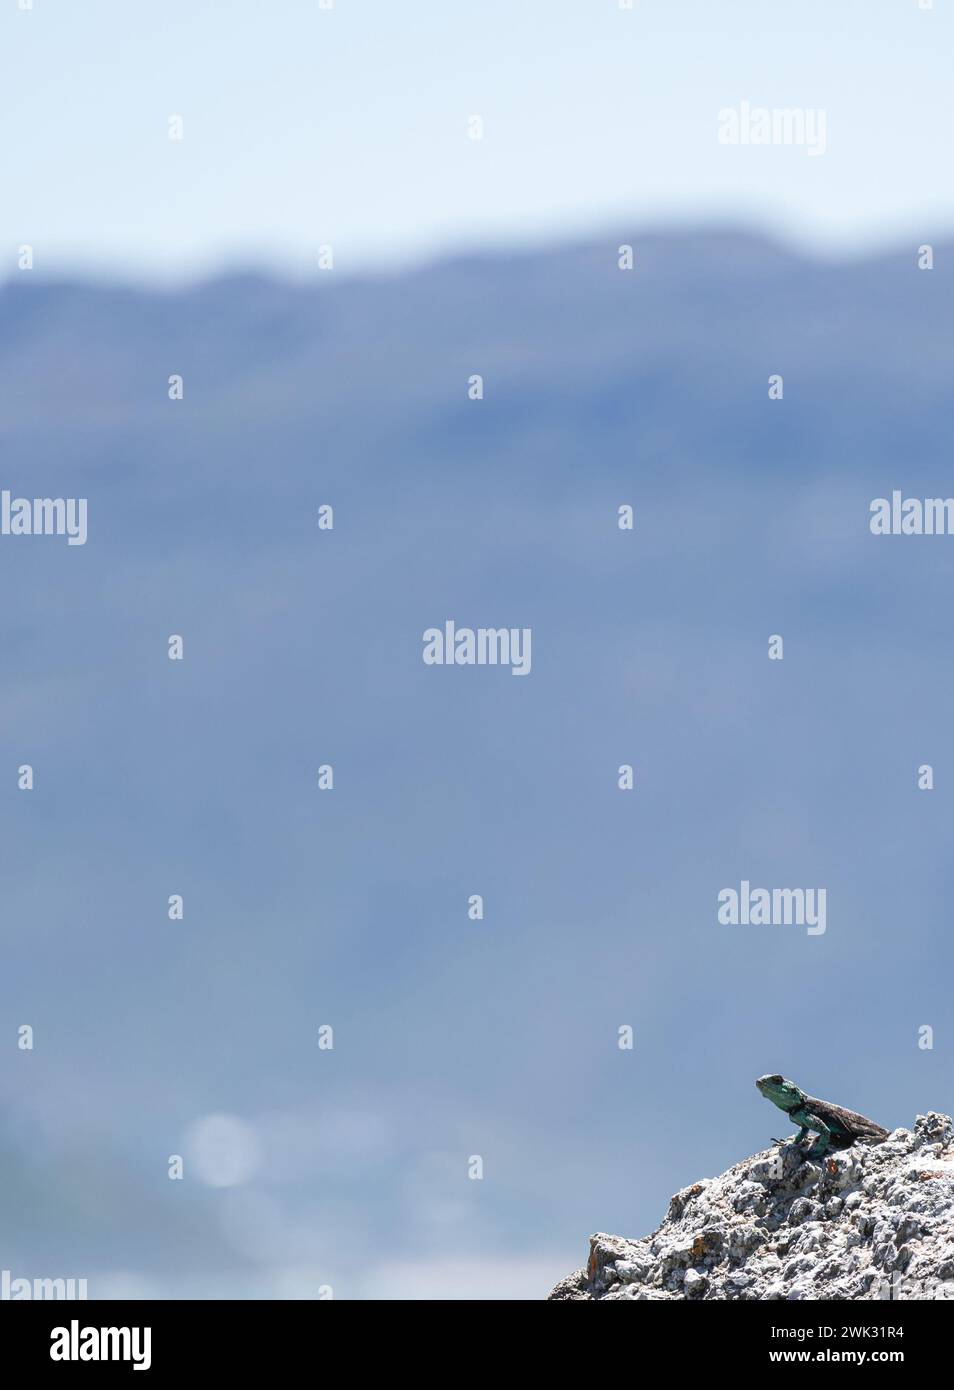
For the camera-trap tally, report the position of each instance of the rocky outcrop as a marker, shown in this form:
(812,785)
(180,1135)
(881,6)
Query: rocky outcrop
(868,1222)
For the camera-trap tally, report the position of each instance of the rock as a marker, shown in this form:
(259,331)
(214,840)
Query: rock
(632,1271)
(872,1221)
(801,1210)
(574,1286)
(933,1128)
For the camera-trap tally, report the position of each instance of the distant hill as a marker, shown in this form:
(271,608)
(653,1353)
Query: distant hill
(303,647)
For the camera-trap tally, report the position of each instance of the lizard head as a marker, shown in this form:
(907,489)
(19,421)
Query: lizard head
(781,1092)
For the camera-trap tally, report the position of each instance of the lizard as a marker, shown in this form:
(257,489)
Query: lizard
(835,1127)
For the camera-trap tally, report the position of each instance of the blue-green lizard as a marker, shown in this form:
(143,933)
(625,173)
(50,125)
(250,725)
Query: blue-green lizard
(835,1127)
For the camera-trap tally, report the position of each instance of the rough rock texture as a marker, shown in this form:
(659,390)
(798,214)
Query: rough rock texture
(869,1222)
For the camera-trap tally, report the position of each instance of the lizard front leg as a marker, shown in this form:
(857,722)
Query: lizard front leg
(798,1138)
(810,1121)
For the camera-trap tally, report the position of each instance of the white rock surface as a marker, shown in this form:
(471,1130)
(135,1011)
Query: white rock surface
(864,1223)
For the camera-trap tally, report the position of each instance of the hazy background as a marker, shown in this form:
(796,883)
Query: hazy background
(349,126)
(302,127)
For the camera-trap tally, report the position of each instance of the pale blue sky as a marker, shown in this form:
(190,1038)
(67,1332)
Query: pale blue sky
(348,126)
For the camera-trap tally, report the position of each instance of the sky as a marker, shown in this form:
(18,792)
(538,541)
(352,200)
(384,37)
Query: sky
(306,127)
